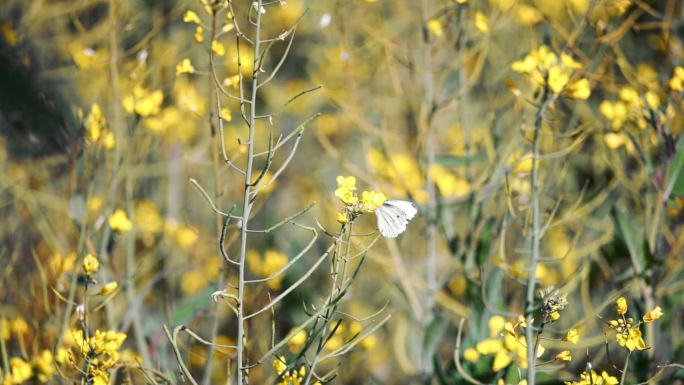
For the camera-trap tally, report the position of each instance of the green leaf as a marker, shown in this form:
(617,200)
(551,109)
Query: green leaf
(634,239)
(434,333)
(676,177)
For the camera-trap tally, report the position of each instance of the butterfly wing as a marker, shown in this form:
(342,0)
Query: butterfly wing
(409,208)
(392,220)
(393,216)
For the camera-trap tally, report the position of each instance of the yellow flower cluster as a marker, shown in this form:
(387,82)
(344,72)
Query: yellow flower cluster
(272,263)
(143,102)
(572,336)
(545,68)
(594,378)
(448,184)
(102,352)
(289,377)
(346,192)
(506,347)
(676,83)
(630,108)
(40,369)
(185,67)
(628,333)
(96,128)
(402,172)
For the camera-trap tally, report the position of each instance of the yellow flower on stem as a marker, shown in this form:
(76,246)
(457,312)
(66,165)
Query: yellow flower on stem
(109,288)
(471,355)
(119,221)
(184,67)
(90,264)
(342,218)
(564,356)
(572,336)
(653,314)
(621,306)
(191,17)
(346,196)
(347,183)
(217,48)
(21,370)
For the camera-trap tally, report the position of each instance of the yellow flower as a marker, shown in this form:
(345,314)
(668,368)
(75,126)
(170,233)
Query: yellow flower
(11,36)
(90,264)
(435,27)
(199,35)
(471,355)
(347,183)
(119,221)
(101,378)
(186,237)
(371,200)
(346,196)
(676,83)
(217,48)
(652,100)
(528,15)
(21,370)
(191,17)
(280,365)
(621,306)
(489,346)
(297,341)
(594,379)
(614,140)
(564,356)
(147,217)
(557,79)
(481,22)
(109,288)
(501,360)
(19,326)
(496,324)
(580,90)
(185,67)
(572,336)
(342,218)
(448,184)
(653,314)
(555,316)
(143,102)
(525,66)
(628,335)
(44,365)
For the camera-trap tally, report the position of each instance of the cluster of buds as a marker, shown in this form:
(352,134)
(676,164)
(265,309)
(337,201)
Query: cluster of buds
(552,304)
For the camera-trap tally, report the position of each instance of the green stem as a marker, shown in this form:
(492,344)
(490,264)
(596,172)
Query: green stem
(246,200)
(624,369)
(536,242)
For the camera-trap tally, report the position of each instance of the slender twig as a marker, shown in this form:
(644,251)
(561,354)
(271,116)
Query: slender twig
(246,205)
(457,357)
(536,240)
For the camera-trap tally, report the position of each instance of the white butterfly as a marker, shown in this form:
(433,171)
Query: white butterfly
(393,216)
